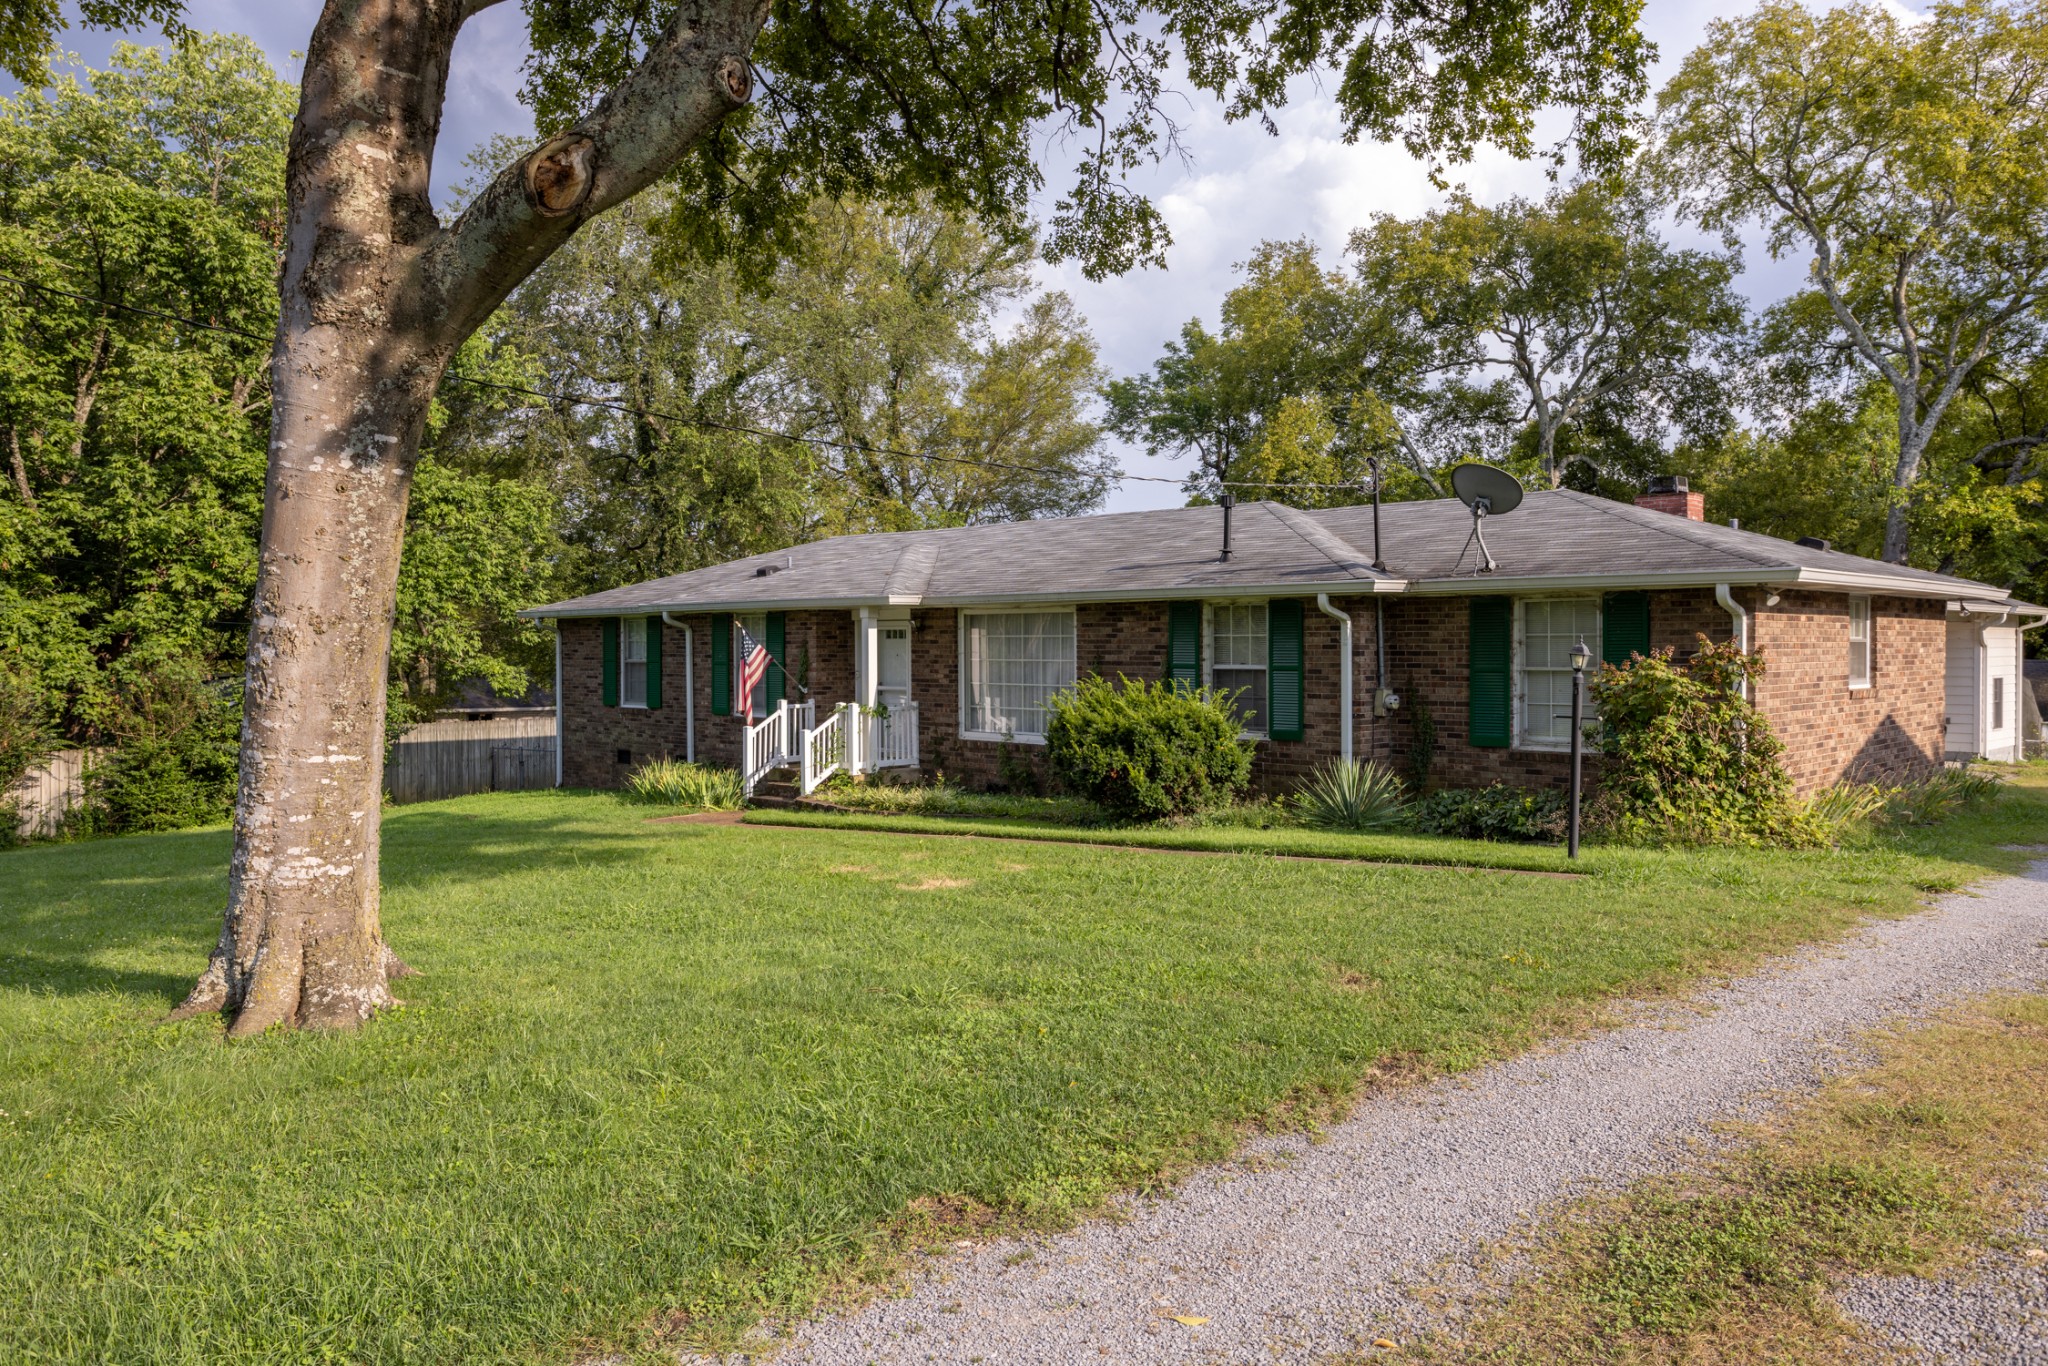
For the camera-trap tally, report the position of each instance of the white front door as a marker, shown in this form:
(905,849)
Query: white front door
(892,670)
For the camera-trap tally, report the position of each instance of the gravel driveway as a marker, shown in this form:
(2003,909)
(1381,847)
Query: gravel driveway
(1994,1313)
(1301,1249)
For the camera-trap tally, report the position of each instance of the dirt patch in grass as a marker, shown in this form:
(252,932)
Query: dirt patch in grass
(1909,1167)
(935,884)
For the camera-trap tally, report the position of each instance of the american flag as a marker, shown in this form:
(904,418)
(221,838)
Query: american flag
(753,668)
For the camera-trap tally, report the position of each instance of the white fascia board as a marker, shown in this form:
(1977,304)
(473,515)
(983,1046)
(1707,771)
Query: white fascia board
(653,609)
(1199,593)
(1781,577)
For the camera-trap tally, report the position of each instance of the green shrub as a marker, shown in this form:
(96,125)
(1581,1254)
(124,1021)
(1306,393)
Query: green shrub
(671,782)
(1689,760)
(1850,808)
(175,761)
(1498,812)
(1146,751)
(1348,795)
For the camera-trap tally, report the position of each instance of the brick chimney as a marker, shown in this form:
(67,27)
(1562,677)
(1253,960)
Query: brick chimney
(1668,493)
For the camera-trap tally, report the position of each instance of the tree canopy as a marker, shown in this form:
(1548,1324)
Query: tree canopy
(1906,159)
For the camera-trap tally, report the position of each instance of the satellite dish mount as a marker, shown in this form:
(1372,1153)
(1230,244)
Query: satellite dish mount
(1489,492)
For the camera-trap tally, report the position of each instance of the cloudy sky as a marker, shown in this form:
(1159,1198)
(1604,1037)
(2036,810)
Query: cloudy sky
(1242,185)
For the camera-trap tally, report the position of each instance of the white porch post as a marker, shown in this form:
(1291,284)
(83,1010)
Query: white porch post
(867,670)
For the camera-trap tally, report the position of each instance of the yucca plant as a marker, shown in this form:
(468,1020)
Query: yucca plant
(1349,795)
(671,782)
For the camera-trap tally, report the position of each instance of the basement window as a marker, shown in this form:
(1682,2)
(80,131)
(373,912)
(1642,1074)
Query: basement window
(1859,642)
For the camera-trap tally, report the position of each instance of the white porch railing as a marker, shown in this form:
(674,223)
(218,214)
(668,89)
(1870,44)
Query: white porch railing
(827,748)
(773,742)
(892,737)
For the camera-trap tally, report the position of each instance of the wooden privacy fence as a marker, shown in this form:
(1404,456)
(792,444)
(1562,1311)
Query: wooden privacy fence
(45,794)
(438,759)
(451,758)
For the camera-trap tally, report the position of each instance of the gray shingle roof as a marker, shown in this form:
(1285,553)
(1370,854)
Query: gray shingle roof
(1553,538)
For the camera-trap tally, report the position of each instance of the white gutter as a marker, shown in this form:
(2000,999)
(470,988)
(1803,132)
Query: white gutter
(558,704)
(1741,617)
(1344,687)
(689,688)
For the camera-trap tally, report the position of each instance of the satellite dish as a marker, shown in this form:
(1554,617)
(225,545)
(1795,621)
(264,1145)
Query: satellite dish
(1489,492)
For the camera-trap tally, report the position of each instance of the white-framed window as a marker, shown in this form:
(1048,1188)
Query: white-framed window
(1011,663)
(1859,642)
(755,625)
(633,662)
(1237,658)
(1546,629)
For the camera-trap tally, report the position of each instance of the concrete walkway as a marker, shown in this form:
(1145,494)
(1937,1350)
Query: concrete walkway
(1301,1249)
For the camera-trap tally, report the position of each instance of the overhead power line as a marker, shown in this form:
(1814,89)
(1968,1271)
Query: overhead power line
(688,419)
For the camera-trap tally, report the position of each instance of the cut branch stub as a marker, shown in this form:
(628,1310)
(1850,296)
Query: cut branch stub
(560,173)
(736,77)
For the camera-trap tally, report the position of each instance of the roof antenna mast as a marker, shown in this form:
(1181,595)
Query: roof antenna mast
(1489,492)
(1226,502)
(1372,463)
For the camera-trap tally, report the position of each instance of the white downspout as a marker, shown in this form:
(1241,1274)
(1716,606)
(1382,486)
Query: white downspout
(689,688)
(1740,614)
(1344,687)
(558,702)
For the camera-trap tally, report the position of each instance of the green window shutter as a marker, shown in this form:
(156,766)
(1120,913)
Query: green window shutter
(721,664)
(1283,670)
(1492,690)
(609,687)
(1624,627)
(653,662)
(1184,643)
(778,686)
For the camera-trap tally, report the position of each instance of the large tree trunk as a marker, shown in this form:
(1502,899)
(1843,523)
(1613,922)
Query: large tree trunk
(301,943)
(377,294)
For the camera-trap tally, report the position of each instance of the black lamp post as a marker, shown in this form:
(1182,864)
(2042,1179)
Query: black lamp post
(1581,657)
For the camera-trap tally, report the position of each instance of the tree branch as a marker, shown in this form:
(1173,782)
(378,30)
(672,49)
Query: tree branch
(693,76)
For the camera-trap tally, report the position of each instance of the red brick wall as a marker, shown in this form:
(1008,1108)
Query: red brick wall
(1832,732)
(596,733)
(1829,732)
(1130,639)
(1428,661)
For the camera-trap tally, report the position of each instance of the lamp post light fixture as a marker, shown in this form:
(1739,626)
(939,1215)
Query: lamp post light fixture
(1581,657)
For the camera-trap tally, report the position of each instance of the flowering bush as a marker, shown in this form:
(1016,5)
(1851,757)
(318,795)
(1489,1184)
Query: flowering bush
(1689,759)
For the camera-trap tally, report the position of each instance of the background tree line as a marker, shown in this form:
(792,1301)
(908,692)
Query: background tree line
(150,193)
(1894,404)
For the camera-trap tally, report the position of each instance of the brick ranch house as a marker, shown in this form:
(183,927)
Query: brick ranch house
(951,641)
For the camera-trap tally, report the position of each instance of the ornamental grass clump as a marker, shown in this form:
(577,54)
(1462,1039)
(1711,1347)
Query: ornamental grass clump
(1147,751)
(1349,795)
(671,782)
(1689,760)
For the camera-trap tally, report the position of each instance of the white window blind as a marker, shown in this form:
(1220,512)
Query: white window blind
(1237,658)
(633,662)
(1550,628)
(1013,663)
(1859,642)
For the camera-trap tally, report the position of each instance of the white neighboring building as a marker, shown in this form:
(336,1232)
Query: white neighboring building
(1984,678)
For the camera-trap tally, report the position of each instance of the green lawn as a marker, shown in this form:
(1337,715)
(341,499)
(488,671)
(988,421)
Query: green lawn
(678,1076)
